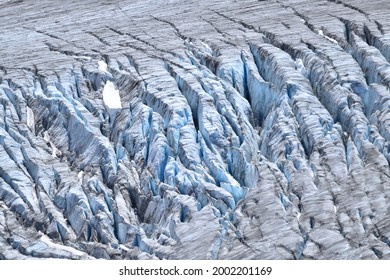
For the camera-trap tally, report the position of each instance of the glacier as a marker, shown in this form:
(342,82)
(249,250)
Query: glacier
(195,130)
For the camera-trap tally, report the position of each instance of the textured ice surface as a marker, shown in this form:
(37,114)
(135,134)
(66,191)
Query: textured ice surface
(195,130)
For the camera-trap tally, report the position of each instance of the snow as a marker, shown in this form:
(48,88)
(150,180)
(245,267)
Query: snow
(321,33)
(47,139)
(207,48)
(30,119)
(124,248)
(87,58)
(3,205)
(46,136)
(300,67)
(102,66)
(80,175)
(111,97)
(55,150)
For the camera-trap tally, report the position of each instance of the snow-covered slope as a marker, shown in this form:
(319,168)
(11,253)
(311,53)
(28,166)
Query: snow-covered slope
(195,129)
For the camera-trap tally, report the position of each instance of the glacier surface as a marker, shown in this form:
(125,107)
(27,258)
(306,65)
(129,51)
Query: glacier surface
(195,130)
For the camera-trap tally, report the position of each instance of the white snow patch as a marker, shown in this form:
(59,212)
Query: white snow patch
(80,176)
(46,136)
(335,209)
(298,216)
(111,97)
(124,248)
(86,58)
(55,151)
(3,205)
(209,50)
(102,66)
(30,119)
(303,20)
(300,67)
(321,33)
